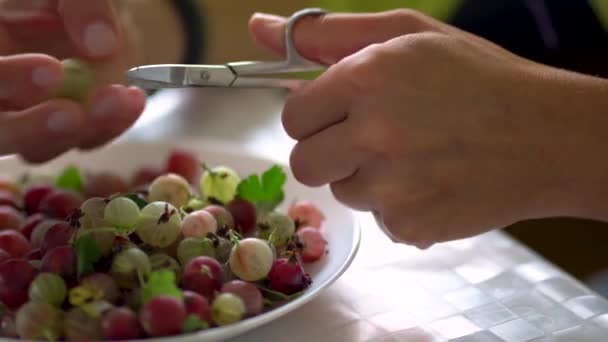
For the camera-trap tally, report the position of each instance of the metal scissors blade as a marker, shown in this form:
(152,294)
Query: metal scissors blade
(181,76)
(235,74)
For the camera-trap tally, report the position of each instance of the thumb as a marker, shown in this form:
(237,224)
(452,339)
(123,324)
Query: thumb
(331,37)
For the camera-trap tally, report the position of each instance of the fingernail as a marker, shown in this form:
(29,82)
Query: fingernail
(45,78)
(269,18)
(62,122)
(99,39)
(103,107)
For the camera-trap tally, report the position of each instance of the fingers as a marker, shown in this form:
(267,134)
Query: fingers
(329,38)
(92,25)
(46,130)
(41,132)
(316,106)
(113,110)
(28,79)
(349,191)
(325,157)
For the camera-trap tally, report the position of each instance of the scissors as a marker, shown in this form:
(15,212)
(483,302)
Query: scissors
(230,75)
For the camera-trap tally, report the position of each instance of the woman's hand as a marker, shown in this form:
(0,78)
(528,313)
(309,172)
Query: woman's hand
(34,37)
(441,134)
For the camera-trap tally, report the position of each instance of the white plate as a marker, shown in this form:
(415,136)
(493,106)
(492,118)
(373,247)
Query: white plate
(341,229)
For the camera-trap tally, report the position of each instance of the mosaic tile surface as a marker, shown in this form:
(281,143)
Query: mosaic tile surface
(485,289)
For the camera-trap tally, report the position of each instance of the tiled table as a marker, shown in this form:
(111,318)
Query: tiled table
(488,288)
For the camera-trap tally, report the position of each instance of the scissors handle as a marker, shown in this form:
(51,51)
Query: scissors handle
(294,62)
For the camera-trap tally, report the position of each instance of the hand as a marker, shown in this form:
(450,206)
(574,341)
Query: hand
(441,134)
(34,37)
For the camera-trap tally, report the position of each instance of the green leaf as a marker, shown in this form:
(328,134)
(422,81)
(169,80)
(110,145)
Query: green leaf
(69,179)
(266,192)
(274,296)
(137,199)
(87,254)
(161,282)
(193,323)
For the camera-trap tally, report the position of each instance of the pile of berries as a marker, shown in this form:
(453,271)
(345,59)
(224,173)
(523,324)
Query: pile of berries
(172,250)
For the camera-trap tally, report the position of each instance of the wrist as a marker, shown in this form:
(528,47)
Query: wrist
(572,140)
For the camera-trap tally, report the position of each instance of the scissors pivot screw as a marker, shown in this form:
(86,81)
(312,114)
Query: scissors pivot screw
(205,75)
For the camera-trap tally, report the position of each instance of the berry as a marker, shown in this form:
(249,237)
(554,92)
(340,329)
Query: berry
(219,183)
(30,223)
(197,305)
(183,163)
(249,294)
(170,188)
(222,216)
(7,198)
(122,213)
(223,248)
(93,217)
(162,316)
(129,267)
(4,255)
(10,218)
(80,325)
(203,275)
(49,288)
(103,285)
(277,228)
(59,234)
(60,260)
(104,184)
(8,326)
(313,244)
(15,278)
(78,80)
(251,259)
(40,230)
(160,224)
(198,224)
(14,243)
(34,195)
(288,277)
(244,215)
(93,211)
(190,248)
(161,261)
(60,204)
(227,308)
(305,213)
(120,324)
(38,321)
(145,175)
